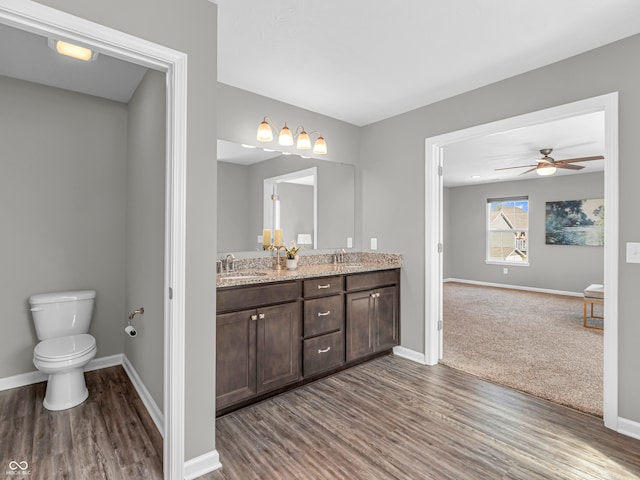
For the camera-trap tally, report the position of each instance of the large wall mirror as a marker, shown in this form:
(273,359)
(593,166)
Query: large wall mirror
(311,200)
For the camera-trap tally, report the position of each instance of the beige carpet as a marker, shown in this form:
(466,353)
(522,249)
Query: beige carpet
(533,342)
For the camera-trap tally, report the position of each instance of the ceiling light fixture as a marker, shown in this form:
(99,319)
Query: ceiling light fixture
(71,50)
(546,170)
(286,138)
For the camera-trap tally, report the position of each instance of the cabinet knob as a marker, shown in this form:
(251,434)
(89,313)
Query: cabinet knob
(261,316)
(254,317)
(328,285)
(325,350)
(324,314)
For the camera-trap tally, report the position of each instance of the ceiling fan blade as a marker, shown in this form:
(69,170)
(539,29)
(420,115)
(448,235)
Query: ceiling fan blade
(519,166)
(568,166)
(530,170)
(581,159)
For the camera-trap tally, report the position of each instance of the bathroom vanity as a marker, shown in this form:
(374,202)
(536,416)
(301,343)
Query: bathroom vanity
(280,329)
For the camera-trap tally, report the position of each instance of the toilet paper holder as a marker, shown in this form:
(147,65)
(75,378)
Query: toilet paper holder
(130,329)
(137,311)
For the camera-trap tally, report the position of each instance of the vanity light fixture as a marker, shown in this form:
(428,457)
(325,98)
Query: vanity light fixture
(286,138)
(71,50)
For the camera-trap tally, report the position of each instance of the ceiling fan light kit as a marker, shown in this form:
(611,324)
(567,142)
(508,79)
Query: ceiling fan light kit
(548,166)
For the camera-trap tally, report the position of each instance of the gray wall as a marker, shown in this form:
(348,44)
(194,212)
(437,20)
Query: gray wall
(556,267)
(189,27)
(62,201)
(296,211)
(393,158)
(145,231)
(235,209)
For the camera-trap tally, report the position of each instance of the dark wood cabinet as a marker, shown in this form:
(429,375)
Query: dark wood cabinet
(257,349)
(278,346)
(279,335)
(372,315)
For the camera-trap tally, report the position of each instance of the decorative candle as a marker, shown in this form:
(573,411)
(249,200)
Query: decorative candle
(266,237)
(277,237)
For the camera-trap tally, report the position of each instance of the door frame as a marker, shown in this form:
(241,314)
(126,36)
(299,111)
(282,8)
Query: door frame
(608,104)
(49,22)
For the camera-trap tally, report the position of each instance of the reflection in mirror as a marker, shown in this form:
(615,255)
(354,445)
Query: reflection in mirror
(242,210)
(290,204)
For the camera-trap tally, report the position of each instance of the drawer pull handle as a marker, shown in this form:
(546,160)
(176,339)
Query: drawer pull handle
(328,285)
(375,295)
(325,350)
(261,316)
(324,314)
(254,317)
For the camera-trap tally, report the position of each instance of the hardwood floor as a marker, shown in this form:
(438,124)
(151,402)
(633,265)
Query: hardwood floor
(110,436)
(395,419)
(386,419)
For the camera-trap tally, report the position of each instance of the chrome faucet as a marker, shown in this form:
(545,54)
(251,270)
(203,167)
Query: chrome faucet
(338,257)
(229,262)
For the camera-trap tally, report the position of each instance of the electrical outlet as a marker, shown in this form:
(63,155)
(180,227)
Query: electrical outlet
(505,270)
(349,242)
(374,244)
(260,239)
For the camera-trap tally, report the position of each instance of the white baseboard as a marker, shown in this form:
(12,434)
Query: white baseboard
(629,428)
(515,287)
(29,378)
(152,407)
(205,463)
(412,355)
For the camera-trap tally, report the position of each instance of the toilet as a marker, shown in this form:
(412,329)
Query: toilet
(62,321)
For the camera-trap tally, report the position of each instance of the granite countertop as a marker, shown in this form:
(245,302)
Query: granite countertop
(257,271)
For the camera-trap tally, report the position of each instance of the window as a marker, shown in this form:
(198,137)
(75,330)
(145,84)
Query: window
(508,230)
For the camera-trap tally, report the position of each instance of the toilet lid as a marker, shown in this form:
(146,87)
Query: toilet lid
(64,348)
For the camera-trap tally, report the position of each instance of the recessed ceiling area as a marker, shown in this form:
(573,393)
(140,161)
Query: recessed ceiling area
(26,56)
(362,61)
(475,161)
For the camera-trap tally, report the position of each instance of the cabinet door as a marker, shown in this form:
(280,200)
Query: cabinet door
(360,329)
(278,346)
(386,318)
(236,357)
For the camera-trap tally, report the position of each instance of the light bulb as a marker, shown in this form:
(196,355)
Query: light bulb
(546,170)
(304,142)
(320,147)
(286,138)
(264,132)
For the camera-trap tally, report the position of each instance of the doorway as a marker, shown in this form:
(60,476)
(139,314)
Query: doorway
(434,228)
(48,22)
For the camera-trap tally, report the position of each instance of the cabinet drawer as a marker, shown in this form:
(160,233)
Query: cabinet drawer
(322,286)
(240,298)
(364,281)
(323,353)
(322,315)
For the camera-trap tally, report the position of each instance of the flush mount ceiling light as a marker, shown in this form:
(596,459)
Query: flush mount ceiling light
(286,138)
(73,51)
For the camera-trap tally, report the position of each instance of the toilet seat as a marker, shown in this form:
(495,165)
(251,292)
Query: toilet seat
(64,348)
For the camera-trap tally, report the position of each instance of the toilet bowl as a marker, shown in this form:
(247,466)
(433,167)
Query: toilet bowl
(62,321)
(64,359)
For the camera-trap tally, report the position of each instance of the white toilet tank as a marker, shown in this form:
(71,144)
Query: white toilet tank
(59,314)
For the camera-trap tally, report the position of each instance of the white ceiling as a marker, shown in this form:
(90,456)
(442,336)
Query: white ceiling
(365,60)
(26,56)
(581,136)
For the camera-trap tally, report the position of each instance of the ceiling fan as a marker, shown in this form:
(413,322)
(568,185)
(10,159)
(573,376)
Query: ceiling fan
(548,165)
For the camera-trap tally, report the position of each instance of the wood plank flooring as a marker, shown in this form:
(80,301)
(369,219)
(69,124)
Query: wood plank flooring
(386,419)
(395,419)
(110,436)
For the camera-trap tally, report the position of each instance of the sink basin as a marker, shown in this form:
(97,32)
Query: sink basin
(240,275)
